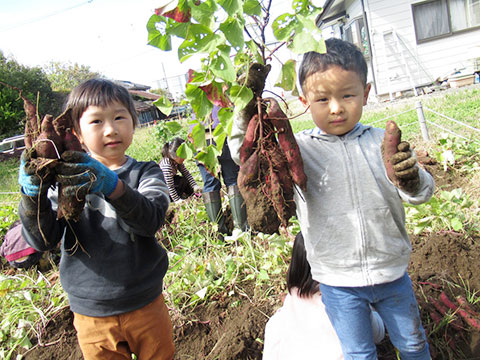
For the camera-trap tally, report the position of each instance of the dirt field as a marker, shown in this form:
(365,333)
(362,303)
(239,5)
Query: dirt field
(231,327)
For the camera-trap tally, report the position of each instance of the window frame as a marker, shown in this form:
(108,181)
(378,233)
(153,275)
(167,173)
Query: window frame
(449,33)
(356,22)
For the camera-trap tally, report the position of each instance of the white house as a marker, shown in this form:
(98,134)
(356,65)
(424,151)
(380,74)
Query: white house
(408,43)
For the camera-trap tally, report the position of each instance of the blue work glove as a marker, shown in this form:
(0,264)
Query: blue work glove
(80,171)
(35,175)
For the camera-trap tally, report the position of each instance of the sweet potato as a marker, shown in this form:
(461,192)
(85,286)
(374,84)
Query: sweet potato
(46,141)
(48,144)
(249,142)
(444,310)
(465,306)
(467,317)
(270,159)
(288,144)
(391,140)
(281,188)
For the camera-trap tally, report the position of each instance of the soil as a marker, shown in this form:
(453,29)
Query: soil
(231,326)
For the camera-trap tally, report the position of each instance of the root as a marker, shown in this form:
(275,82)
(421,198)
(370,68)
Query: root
(52,142)
(77,244)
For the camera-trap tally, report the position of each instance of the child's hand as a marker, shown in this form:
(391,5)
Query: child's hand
(405,170)
(32,178)
(83,172)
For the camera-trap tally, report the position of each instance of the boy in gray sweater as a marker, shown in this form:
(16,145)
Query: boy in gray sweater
(111,267)
(351,215)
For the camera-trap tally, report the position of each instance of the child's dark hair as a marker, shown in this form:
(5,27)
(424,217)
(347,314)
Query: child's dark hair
(299,272)
(340,53)
(98,92)
(170,148)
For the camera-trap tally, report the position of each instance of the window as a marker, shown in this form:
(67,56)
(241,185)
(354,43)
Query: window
(438,18)
(356,33)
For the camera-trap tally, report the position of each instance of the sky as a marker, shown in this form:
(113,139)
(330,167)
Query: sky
(109,36)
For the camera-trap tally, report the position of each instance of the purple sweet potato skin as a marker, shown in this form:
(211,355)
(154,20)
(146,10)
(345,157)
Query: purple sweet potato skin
(391,140)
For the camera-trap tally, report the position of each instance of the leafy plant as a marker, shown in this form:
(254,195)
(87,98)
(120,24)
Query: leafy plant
(448,210)
(202,266)
(453,150)
(27,302)
(230,36)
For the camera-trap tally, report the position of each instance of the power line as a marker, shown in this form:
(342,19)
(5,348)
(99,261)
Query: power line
(34,20)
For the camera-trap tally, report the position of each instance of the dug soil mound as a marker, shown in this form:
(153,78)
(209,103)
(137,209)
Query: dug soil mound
(231,326)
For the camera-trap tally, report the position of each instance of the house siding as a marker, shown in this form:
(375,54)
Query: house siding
(425,62)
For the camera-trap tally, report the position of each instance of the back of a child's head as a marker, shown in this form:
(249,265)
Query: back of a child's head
(339,53)
(299,272)
(170,148)
(101,93)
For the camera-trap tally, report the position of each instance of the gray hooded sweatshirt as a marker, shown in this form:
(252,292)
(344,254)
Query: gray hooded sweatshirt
(351,216)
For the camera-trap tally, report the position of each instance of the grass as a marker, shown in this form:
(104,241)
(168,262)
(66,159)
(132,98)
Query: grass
(201,266)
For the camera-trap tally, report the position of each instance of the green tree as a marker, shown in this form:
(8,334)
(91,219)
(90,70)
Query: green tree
(34,85)
(65,76)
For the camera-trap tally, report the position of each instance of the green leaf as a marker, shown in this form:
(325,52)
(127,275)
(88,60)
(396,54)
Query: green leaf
(283,26)
(308,37)
(241,96)
(418,229)
(156,37)
(225,115)
(199,39)
(222,66)
(177,29)
(164,105)
(456,224)
(219,136)
(252,8)
(198,135)
(295,91)
(231,6)
(288,76)
(203,11)
(173,126)
(199,101)
(185,151)
(233,30)
(303,42)
(209,159)
(263,275)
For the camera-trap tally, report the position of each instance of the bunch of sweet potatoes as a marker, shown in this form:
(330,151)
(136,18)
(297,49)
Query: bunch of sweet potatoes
(270,166)
(45,141)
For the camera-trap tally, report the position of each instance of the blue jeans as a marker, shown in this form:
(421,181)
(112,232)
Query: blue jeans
(349,312)
(229,171)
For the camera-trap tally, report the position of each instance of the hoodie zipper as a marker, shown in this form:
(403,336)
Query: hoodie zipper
(356,204)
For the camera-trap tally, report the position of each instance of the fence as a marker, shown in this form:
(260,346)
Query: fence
(422,121)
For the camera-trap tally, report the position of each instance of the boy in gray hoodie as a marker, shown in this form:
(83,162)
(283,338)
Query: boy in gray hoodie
(352,216)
